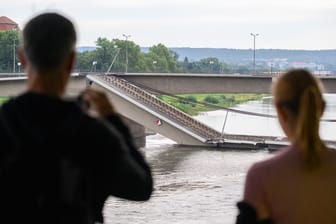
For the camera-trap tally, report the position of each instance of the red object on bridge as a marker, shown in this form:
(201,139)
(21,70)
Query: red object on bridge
(158,122)
(7,24)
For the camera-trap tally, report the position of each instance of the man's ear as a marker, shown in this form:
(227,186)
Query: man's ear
(71,61)
(22,58)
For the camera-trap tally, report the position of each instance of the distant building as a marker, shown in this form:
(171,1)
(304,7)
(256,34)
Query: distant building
(307,65)
(322,73)
(7,24)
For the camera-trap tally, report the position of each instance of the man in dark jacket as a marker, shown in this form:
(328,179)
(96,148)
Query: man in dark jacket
(57,163)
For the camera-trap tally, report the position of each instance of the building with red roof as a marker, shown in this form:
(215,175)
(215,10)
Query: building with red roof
(7,24)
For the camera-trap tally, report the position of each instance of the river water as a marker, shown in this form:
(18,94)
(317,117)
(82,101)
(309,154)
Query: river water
(196,185)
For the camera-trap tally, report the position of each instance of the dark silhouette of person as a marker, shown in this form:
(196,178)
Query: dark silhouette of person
(58,164)
(298,184)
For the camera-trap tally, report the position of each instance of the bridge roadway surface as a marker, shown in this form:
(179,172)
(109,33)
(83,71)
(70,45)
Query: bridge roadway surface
(142,107)
(174,83)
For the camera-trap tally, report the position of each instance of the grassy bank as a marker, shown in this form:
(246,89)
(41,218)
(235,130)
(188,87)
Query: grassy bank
(3,99)
(192,103)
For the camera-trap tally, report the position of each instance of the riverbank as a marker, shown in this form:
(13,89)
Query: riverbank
(3,99)
(192,104)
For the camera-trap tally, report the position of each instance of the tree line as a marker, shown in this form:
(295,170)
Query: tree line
(158,58)
(110,55)
(9,42)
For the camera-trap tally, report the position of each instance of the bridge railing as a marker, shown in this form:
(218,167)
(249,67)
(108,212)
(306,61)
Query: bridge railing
(160,106)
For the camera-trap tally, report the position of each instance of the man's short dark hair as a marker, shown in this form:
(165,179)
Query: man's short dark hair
(48,40)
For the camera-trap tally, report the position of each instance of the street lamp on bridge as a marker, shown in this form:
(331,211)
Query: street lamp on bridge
(94,66)
(126,37)
(14,47)
(19,65)
(254,40)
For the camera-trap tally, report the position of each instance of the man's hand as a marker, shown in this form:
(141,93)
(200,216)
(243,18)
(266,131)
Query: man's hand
(98,102)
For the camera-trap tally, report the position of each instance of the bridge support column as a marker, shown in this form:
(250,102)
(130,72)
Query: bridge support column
(137,131)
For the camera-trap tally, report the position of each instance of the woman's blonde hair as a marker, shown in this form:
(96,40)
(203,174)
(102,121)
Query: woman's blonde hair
(301,94)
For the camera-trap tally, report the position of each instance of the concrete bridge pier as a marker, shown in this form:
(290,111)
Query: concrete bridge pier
(137,131)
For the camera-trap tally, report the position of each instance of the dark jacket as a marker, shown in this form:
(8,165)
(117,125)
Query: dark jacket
(58,165)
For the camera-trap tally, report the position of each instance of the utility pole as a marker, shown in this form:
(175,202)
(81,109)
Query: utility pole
(14,50)
(115,57)
(14,55)
(254,40)
(126,37)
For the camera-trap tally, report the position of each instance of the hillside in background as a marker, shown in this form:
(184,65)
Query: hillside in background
(85,48)
(240,55)
(246,55)
(204,60)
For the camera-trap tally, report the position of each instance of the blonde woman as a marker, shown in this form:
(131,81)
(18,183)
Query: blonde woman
(298,185)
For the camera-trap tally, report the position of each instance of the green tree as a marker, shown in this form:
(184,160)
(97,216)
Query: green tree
(211,99)
(86,61)
(210,65)
(163,60)
(185,64)
(134,56)
(9,42)
(105,54)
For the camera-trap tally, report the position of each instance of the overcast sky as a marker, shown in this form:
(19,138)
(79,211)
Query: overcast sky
(281,24)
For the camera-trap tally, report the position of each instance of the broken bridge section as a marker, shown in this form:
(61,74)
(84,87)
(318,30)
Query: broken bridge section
(146,109)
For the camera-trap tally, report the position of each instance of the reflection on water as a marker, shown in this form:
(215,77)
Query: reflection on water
(192,185)
(252,125)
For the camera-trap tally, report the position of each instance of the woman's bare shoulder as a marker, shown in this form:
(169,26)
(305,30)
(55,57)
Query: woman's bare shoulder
(280,158)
